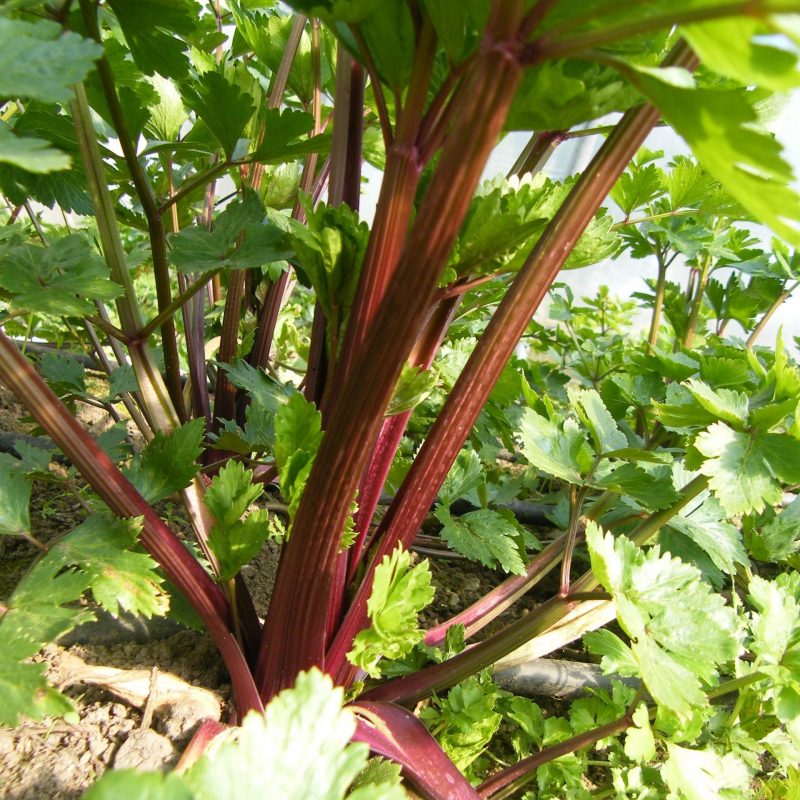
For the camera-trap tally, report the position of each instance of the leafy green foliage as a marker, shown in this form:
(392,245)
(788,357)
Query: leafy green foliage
(493,538)
(742,468)
(118,577)
(680,630)
(40,61)
(298,432)
(96,556)
(30,153)
(168,463)
(222,106)
(299,748)
(399,593)
(235,540)
(558,447)
(15,495)
(466,720)
(240,239)
(720,127)
(152,30)
(60,279)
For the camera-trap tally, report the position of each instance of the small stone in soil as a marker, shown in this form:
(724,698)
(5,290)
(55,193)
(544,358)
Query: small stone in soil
(145,750)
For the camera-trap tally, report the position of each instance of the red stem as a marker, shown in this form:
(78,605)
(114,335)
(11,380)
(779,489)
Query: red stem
(305,579)
(495,347)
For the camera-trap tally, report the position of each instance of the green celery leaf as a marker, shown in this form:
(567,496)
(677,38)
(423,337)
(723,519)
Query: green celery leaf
(720,127)
(465,475)
(153,31)
(119,578)
(299,749)
(239,239)
(42,62)
(30,153)
(652,488)
(298,432)
(223,106)
(399,593)
(168,463)
(736,47)
(779,539)
(285,137)
(15,497)
(486,536)
(235,540)
(560,450)
(597,418)
(33,617)
(706,527)
(680,630)
(62,279)
(637,186)
(466,720)
(705,774)
(25,692)
(724,404)
(744,469)
(412,387)
(134,784)
(64,375)
(557,95)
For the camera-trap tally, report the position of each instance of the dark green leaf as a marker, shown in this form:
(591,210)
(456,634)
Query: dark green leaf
(485,536)
(223,106)
(168,463)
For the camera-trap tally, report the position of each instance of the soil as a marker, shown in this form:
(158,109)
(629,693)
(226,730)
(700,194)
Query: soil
(59,760)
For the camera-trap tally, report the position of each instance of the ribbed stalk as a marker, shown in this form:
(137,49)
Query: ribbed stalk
(304,582)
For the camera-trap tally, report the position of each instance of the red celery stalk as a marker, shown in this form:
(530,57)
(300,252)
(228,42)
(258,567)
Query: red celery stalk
(493,350)
(121,497)
(394,427)
(305,577)
(395,733)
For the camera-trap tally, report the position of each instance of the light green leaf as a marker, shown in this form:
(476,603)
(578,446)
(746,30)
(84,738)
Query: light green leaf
(412,387)
(153,31)
(399,593)
(594,414)
(742,468)
(168,114)
(720,127)
(725,404)
(168,463)
(239,239)
(560,450)
(486,536)
(119,578)
(30,153)
(640,744)
(730,47)
(298,749)
(705,775)
(707,528)
(298,433)
(235,540)
(679,628)
(42,62)
(285,137)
